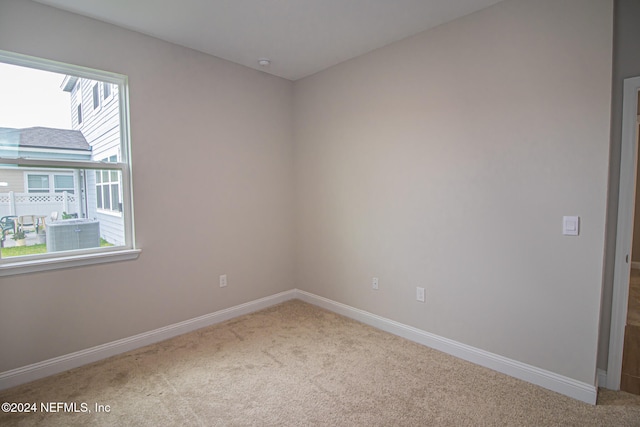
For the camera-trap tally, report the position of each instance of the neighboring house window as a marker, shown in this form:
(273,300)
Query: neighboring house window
(78,172)
(41,183)
(96,96)
(79,101)
(108,188)
(37,183)
(63,183)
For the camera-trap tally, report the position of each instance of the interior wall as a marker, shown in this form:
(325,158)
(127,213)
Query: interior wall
(404,162)
(447,161)
(213,184)
(626,63)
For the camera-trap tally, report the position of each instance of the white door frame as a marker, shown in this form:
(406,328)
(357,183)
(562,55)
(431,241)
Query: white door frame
(624,235)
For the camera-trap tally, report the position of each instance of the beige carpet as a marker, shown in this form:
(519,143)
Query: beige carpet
(297,365)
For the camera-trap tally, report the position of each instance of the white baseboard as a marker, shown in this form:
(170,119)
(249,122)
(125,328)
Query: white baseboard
(73,360)
(550,380)
(564,385)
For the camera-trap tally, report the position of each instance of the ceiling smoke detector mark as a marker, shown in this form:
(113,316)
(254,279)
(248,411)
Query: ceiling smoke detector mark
(264,62)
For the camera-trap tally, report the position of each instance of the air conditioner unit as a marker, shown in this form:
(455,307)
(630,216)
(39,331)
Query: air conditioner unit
(70,234)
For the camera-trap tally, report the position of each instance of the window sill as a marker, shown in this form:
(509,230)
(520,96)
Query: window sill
(116,214)
(32,266)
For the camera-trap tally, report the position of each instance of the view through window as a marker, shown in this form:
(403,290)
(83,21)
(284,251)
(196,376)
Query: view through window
(64,163)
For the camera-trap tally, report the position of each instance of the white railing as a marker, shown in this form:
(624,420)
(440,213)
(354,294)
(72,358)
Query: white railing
(44,204)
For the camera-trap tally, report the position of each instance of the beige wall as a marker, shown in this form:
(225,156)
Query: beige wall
(212,174)
(447,161)
(14,178)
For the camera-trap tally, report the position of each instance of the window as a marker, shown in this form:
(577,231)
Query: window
(63,183)
(96,96)
(79,102)
(75,181)
(41,183)
(37,183)
(108,188)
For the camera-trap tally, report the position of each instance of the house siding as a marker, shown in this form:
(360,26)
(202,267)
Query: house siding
(101,128)
(14,179)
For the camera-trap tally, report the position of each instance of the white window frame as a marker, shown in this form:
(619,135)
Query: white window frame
(66,259)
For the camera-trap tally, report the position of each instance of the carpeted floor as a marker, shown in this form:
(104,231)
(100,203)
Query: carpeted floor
(298,365)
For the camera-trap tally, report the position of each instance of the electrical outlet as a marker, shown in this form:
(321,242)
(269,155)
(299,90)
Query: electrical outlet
(374,283)
(420,294)
(223,280)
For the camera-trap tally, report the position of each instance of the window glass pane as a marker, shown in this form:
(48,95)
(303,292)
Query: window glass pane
(96,96)
(114,176)
(105,176)
(38,183)
(68,133)
(115,197)
(107,200)
(63,182)
(69,206)
(98,177)
(99,196)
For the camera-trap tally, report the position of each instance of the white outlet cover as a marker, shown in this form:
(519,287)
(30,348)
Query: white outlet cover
(374,283)
(420,294)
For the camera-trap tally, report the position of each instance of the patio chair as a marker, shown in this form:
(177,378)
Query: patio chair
(26,222)
(8,224)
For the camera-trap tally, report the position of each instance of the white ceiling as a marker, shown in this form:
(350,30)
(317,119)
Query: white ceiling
(300,37)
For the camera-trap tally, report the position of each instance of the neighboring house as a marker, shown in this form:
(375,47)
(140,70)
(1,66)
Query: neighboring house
(95,194)
(42,191)
(95,112)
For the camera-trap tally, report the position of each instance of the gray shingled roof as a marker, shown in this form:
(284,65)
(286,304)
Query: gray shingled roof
(42,137)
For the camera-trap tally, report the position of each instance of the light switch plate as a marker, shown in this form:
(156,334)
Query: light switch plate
(570,225)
